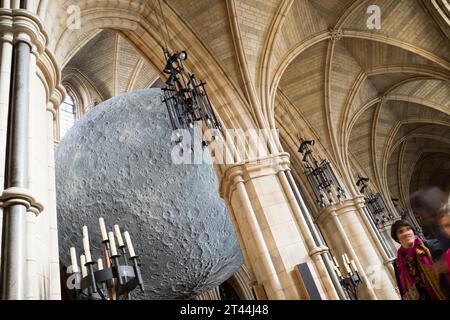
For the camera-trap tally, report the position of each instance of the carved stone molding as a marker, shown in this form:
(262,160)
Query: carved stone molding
(335,34)
(246,171)
(13,196)
(318,251)
(22,25)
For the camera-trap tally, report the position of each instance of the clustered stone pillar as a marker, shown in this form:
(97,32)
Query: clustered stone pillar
(16,205)
(272,229)
(345,232)
(29,250)
(318,242)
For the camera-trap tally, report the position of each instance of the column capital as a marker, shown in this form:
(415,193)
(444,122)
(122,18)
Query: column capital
(248,170)
(26,27)
(341,207)
(56,96)
(14,195)
(19,25)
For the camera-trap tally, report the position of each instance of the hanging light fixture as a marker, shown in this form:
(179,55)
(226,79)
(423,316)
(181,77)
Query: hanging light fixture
(320,175)
(374,203)
(186,99)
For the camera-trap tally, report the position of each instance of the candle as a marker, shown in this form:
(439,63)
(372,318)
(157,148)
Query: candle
(353,265)
(335,262)
(346,264)
(338,272)
(129,244)
(112,244)
(73,257)
(85,232)
(101,221)
(118,236)
(100,264)
(83,265)
(345,258)
(87,252)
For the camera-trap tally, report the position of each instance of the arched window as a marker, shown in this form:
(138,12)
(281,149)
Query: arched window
(67,114)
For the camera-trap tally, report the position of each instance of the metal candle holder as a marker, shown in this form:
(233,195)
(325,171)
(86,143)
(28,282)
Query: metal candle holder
(351,284)
(320,175)
(351,280)
(117,279)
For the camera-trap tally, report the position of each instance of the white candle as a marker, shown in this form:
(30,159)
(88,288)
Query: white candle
(129,245)
(345,258)
(348,269)
(85,232)
(112,244)
(101,221)
(73,257)
(118,236)
(353,265)
(87,252)
(83,267)
(100,264)
(338,272)
(335,262)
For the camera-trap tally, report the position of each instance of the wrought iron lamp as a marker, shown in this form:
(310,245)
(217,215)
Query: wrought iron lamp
(117,278)
(186,99)
(349,279)
(374,203)
(320,176)
(363,184)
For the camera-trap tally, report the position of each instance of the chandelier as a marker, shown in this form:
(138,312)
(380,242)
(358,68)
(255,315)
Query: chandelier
(186,99)
(184,96)
(114,275)
(320,175)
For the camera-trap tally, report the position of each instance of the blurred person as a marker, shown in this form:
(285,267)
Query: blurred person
(426,204)
(444,220)
(443,265)
(413,267)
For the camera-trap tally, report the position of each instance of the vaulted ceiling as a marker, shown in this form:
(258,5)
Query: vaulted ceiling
(377,101)
(107,66)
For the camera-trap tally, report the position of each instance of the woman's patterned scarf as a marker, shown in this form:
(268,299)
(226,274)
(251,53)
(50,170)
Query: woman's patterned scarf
(415,270)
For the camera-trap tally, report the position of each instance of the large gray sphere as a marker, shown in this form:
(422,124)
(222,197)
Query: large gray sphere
(115,163)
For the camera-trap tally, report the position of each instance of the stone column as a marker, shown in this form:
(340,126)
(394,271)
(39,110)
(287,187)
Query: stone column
(273,232)
(315,251)
(382,248)
(334,286)
(15,209)
(6,52)
(344,229)
(55,290)
(390,243)
(30,268)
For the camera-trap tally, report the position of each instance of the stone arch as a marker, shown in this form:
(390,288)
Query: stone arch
(143,32)
(85,92)
(241,283)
